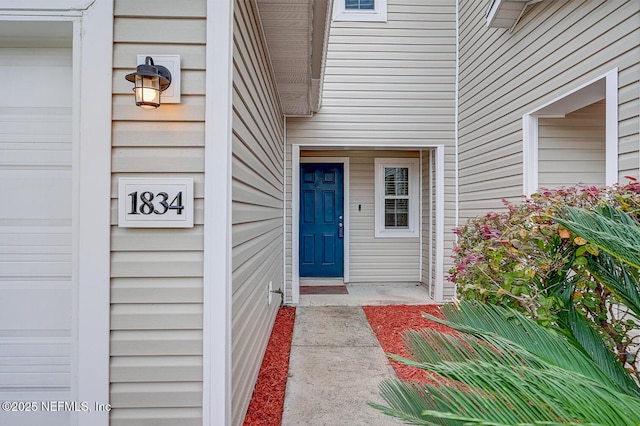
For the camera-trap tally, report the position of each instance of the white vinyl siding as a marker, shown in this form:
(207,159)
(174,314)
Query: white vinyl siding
(555,48)
(571,150)
(156,285)
(387,84)
(257,203)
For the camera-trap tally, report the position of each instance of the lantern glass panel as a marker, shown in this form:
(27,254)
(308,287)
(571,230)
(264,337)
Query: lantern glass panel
(147,91)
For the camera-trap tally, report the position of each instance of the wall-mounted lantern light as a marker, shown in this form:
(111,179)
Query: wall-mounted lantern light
(149,81)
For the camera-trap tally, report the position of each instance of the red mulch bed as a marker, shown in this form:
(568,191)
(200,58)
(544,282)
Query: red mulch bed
(265,408)
(387,322)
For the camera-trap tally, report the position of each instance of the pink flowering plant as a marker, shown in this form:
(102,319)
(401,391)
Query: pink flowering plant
(523,259)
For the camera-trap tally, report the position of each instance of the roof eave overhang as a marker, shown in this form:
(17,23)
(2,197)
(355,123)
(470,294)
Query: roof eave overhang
(296,35)
(507,13)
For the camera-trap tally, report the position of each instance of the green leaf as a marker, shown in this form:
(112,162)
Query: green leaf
(503,369)
(504,327)
(580,261)
(592,249)
(610,229)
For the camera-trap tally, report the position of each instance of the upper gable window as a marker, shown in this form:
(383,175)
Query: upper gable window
(360,10)
(360,4)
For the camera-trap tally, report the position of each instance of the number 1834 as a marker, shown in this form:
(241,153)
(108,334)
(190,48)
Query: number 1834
(147,203)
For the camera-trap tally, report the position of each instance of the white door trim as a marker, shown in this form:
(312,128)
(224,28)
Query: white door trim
(295,208)
(93,36)
(556,108)
(92,47)
(438,294)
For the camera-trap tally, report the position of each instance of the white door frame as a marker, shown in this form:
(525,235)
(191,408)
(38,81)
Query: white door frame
(604,86)
(92,48)
(295,199)
(295,208)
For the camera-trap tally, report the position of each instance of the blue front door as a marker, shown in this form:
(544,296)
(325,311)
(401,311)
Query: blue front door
(321,220)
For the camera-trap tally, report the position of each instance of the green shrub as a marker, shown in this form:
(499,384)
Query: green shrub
(522,258)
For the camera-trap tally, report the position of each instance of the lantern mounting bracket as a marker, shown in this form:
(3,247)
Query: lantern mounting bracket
(165,70)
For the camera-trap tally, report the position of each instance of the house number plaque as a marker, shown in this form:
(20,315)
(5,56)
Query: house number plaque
(155,203)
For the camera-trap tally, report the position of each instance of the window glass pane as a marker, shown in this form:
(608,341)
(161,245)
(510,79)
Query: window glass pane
(396,181)
(359,4)
(396,213)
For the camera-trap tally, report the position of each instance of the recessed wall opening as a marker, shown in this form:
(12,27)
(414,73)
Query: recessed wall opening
(571,149)
(409,252)
(573,140)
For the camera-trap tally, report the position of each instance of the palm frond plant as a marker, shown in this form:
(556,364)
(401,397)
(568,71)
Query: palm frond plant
(616,233)
(525,259)
(504,369)
(617,266)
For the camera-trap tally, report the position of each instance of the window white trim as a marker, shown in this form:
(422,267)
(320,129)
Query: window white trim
(603,87)
(378,14)
(413,164)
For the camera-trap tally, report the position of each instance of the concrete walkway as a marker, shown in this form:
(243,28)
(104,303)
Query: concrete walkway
(336,362)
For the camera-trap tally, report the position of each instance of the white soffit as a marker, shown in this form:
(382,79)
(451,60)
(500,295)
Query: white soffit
(291,29)
(506,13)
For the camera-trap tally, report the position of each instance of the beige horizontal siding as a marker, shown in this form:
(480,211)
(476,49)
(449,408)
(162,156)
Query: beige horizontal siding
(257,202)
(386,84)
(159,316)
(156,287)
(156,416)
(143,29)
(555,48)
(571,150)
(141,264)
(163,134)
(147,343)
(158,394)
(156,290)
(375,259)
(181,9)
(138,369)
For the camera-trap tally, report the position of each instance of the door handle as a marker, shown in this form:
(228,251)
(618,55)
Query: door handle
(340,230)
